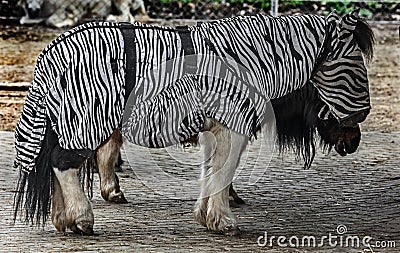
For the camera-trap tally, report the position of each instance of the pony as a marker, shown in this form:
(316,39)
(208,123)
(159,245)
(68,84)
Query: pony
(325,79)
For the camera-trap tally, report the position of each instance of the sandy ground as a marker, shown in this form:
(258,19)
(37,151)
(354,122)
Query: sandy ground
(20,46)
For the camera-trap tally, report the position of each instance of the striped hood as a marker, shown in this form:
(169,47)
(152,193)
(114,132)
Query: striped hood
(342,80)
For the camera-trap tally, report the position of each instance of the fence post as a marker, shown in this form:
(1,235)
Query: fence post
(274,7)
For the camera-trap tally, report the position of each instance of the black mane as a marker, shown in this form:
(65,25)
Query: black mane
(365,38)
(296,118)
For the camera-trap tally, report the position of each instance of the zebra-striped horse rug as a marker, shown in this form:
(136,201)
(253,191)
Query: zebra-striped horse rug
(158,84)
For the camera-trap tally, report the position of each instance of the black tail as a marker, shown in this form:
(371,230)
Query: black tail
(34,189)
(296,117)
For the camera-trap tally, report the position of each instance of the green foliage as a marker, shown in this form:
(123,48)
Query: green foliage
(293,3)
(366,13)
(344,7)
(264,3)
(341,6)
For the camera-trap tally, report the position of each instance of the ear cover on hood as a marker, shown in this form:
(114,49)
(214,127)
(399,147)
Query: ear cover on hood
(347,25)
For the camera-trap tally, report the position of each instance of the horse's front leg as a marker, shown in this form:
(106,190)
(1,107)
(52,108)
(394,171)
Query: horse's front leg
(107,156)
(216,180)
(208,145)
(70,208)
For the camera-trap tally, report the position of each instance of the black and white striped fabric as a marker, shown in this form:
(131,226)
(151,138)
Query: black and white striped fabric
(79,85)
(230,72)
(241,63)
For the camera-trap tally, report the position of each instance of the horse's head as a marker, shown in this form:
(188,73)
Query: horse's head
(33,7)
(297,121)
(341,75)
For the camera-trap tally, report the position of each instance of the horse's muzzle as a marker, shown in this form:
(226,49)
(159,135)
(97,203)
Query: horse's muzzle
(348,141)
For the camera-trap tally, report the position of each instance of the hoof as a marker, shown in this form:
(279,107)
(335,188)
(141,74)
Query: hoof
(114,197)
(200,217)
(234,204)
(200,212)
(59,223)
(231,231)
(82,228)
(119,199)
(239,201)
(118,169)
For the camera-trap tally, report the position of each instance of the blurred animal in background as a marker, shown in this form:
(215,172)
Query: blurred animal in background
(66,13)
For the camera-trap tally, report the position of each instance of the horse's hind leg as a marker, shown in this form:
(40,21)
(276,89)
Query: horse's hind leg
(71,208)
(77,209)
(58,208)
(107,156)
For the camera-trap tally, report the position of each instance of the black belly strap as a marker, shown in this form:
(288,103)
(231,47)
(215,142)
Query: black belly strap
(190,60)
(128,33)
